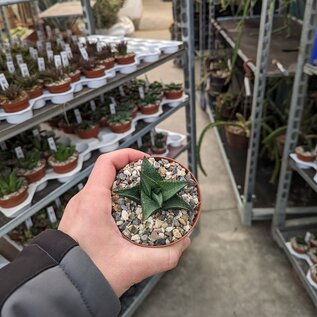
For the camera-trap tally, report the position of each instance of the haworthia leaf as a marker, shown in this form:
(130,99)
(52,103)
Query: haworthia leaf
(149,206)
(176,203)
(170,188)
(148,169)
(132,193)
(147,183)
(158,198)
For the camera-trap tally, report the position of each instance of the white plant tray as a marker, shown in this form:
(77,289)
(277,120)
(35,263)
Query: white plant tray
(146,50)
(310,280)
(304,257)
(302,164)
(107,141)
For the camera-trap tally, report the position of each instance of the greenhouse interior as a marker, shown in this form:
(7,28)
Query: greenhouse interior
(158,158)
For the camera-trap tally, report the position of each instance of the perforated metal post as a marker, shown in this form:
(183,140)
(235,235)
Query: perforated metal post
(212,15)
(257,106)
(202,38)
(296,109)
(187,24)
(88,17)
(6,24)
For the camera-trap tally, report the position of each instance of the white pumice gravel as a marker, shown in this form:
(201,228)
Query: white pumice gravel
(164,226)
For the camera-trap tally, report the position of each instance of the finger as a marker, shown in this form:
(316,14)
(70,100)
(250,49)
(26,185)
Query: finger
(104,171)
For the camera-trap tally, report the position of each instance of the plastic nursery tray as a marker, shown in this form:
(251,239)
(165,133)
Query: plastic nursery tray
(107,141)
(148,52)
(304,165)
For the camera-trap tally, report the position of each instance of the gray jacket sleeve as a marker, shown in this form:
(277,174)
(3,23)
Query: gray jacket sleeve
(52,277)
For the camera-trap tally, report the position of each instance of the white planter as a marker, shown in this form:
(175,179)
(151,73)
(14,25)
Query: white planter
(59,99)
(96,83)
(20,117)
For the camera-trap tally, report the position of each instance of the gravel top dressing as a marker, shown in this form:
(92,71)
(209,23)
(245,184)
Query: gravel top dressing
(164,225)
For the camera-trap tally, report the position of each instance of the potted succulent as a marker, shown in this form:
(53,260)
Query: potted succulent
(160,146)
(219,80)
(64,159)
(299,244)
(120,121)
(32,167)
(87,129)
(306,153)
(128,106)
(68,122)
(13,189)
(31,85)
(312,253)
(173,91)
(227,104)
(106,56)
(13,99)
(156,202)
(73,71)
(149,105)
(92,68)
(123,57)
(55,80)
(156,88)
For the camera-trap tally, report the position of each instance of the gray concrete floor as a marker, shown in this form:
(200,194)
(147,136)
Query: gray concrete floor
(229,270)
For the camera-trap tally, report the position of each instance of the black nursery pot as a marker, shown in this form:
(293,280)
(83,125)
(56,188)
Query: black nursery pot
(219,84)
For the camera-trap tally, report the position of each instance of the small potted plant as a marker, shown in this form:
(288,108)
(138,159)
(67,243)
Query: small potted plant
(128,106)
(55,80)
(313,272)
(227,104)
(123,57)
(312,253)
(219,80)
(73,70)
(92,68)
(120,121)
(156,202)
(299,244)
(87,129)
(31,85)
(306,153)
(64,159)
(160,146)
(106,56)
(156,88)
(14,99)
(32,166)
(13,189)
(173,91)
(149,105)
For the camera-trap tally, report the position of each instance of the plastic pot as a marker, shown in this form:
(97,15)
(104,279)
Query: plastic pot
(62,169)
(108,63)
(74,77)
(103,122)
(58,88)
(124,60)
(15,200)
(120,128)
(237,141)
(16,106)
(305,158)
(90,133)
(158,151)
(35,92)
(36,175)
(150,109)
(95,73)
(70,129)
(173,94)
(134,112)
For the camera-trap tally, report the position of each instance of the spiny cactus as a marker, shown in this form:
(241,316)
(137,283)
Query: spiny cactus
(154,193)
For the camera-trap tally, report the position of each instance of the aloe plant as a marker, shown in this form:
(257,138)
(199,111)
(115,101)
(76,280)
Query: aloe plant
(10,182)
(28,83)
(120,117)
(12,93)
(63,152)
(30,161)
(148,100)
(52,75)
(106,52)
(89,64)
(154,193)
(122,48)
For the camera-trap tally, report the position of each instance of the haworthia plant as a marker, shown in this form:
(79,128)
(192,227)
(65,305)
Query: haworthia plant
(154,193)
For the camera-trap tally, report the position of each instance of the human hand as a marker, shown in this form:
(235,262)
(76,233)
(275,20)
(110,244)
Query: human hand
(88,220)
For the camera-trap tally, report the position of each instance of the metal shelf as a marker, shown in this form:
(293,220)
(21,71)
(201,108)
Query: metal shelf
(55,189)
(50,110)
(10,2)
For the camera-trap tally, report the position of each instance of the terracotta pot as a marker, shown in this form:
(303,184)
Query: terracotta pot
(134,112)
(70,129)
(95,73)
(16,106)
(37,175)
(54,122)
(237,141)
(15,200)
(109,63)
(74,77)
(103,122)
(174,94)
(59,88)
(90,133)
(296,248)
(195,220)
(305,158)
(150,109)
(120,128)
(158,151)
(124,60)
(62,169)
(35,92)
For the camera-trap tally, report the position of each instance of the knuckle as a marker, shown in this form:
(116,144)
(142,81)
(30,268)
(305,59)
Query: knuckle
(173,260)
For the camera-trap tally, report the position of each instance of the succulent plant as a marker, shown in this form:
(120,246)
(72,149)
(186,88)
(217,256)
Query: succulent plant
(160,140)
(300,240)
(156,85)
(10,182)
(30,160)
(89,64)
(28,83)
(153,192)
(120,117)
(52,75)
(173,87)
(122,48)
(148,100)
(106,52)
(63,152)
(86,125)
(12,93)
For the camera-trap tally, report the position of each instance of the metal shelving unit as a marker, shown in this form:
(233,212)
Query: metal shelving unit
(282,228)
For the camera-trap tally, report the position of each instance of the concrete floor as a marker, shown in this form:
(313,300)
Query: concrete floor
(229,270)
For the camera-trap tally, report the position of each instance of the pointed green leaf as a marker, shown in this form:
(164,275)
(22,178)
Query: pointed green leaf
(149,206)
(158,198)
(132,193)
(147,183)
(148,169)
(170,188)
(176,203)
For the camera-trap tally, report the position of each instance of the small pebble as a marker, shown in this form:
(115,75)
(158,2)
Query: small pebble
(176,234)
(135,237)
(125,215)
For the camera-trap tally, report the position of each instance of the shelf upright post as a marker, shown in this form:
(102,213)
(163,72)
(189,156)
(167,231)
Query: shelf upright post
(88,17)
(187,24)
(257,106)
(296,109)
(202,38)
(6,23)
(212,16)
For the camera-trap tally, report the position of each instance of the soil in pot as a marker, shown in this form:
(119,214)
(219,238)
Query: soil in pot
(306,154)
(164,226)
(14,199)
(299,245)
(59,87)
(35,174)
(236,137)
(35,92)
(17,105)
(62,167)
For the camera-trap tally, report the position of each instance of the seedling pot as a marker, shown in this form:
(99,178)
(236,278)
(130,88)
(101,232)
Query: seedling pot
(35,176)
(108,63)
(158,151)
(35,92)
(124,60)
(305,158)
(174,94)
(120,128)
(74,77)
(237,141)
(15,200)
(62,169)
(16,106)
(90,133)
(58,88)
(95,73)
(150,109)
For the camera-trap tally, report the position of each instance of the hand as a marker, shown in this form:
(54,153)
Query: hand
(88,220)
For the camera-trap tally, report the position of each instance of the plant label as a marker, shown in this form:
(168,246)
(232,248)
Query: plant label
(19,59)
(57,61)
(139,142)
(34,54)
(247,86)
(50,55)
(84,53)
(58,203)
(41,64)
(112,108)
(147,83)
(52,144)
(10,67)
(30,50)
(28,223)
(69,33)
(99,46)
(48,31)
(307,237)
(74,39)
(57,31)
(121,90)
(3,146)
(51,214)
(48,46)
(64,59)
(24,70)
(19,152)
(153,133)
(92,105)
(3,82)
(39,45)
(78,116)
(102,98)
(24,43)
(83,40)
(68,51)
(141,92)
(80,186)
(8,57)
(36,133)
